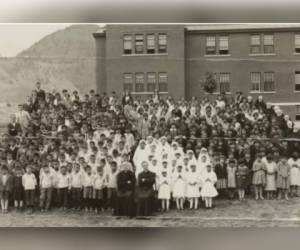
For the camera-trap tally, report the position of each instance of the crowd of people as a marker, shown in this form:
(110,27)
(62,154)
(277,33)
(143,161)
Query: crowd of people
(137,155)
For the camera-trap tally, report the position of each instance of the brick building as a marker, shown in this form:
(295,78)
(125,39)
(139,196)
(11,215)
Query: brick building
(261,59)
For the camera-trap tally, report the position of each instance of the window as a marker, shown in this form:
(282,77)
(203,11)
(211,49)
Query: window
(162,82)
(139,82)
(255,81)
(268,44)
(150,43)
(127,44)
(151,81)
(255,44)
(269,85)
(210,45)
(223,45)
(297,113)
(128,82)
(224,82)
(139,44)
(297,43)
(162,43)
(297,81)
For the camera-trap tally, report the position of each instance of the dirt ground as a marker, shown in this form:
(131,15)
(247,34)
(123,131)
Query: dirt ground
(249,213)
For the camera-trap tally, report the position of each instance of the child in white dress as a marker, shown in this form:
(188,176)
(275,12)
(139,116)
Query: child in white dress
(179,185)
(164,190)
(192,188)
(208,191)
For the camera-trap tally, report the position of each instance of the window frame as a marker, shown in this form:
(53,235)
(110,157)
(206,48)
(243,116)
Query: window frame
(142,45)
(127,51)
(268,82)
(150,83)
(125,83)
(252,46)
(139,86)
(296,84)
(256,90)
(227,83)
(265,46)
(219,44)
(208,50)
(162,47)
(150,50)
(297,48)
(297,113)
(162,85)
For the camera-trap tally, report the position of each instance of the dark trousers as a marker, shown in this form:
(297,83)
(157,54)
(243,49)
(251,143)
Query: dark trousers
(29,198)
(76,197)
(46,198)
(63,197)
(144,206)
(125,206)
(112,197)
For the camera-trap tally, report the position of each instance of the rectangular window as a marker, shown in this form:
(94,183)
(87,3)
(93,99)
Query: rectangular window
(223,45)
(128,82)
(139,82)
(268,44)
(150,44)
(255,81)
(224,82)
(151,81)
(139,44)
(211,45)
(297,43)
(297,81)
(297,113)
(162,43)
(255,44)
(162,82)
(127,44)
(269,85)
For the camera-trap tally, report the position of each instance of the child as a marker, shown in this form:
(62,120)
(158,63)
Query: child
(242,173)
(111,180)
(294,173)
(270,177)
(76,183)
(164,191)
(46,186)
(231,177)
(179,184)
(259,177)
(63,184)
(88,188)
(283,174)
(18,190)
(221,172)
(5,188)
(208,191)
(98,186)
(192,189)
(29,183)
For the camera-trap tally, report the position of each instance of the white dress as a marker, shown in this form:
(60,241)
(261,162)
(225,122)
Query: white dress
(179,185)
(271,181)
(192,190)
(208,180)
(164,190)
(294,172)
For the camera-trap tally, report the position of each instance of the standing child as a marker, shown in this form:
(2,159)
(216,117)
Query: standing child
(18,189)
(88,189)
(98,185)
(63,184)
(242,173)
(29,183)
(164,190)
(259,177)
(76,186)
(283,178)
(208,191)
(270,177)
(231,178)
(179,185)
(5,188)
(111,180)
(46,186)
(294,173)
(221,172)
(192,187)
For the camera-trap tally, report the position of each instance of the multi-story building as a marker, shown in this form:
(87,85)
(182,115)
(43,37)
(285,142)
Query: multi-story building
(259,59)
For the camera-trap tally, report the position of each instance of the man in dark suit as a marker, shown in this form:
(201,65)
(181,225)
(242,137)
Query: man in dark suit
(41,95)
(125,191)
(13,128)
(145,191)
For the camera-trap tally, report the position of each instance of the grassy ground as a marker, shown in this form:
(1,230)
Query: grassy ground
(249,213)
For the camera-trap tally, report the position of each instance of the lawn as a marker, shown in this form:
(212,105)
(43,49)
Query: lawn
(249,213)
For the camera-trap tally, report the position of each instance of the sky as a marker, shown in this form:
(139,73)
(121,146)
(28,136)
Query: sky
(17,37)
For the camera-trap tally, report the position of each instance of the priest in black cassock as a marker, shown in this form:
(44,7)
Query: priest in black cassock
(145,191)
(125,191)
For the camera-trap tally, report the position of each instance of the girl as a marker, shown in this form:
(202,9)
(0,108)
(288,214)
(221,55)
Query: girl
(88,188)
(242,173)
(208,190)
(192,190)
(29,183)
(18,190)
(179,184)
(294,173)
(5,188)
(99,183)
(270,177)
(231,178)
(259,177)
(164,191)
(221,172)
(283,182)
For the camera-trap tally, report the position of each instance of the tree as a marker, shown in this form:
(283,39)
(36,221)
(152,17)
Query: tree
(209,84)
